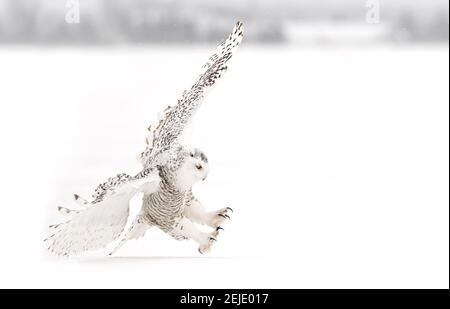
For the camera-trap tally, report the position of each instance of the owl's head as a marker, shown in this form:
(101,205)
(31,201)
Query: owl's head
(193,167)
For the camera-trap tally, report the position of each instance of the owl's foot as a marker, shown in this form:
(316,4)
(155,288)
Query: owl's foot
(217,218)
(209,240)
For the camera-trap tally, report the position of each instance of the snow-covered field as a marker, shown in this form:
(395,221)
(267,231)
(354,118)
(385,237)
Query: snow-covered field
(335,161)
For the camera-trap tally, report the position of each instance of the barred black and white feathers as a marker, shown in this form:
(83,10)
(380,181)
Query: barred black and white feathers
(165,134)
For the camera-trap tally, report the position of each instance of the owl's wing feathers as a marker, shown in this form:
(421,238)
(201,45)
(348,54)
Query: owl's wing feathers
(104,219)
(165,134)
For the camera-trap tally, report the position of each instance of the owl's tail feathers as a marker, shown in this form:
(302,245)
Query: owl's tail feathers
(89,229)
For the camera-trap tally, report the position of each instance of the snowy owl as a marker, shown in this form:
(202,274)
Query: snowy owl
(169,171)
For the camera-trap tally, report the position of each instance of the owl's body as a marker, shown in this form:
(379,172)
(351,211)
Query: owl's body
(165,207)
(172,207)
(169,172)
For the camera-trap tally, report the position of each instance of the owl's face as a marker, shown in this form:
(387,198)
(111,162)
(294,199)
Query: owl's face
(193,168)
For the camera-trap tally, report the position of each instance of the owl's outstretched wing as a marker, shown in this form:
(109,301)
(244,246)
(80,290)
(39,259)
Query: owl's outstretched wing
(103,219)
(165,134)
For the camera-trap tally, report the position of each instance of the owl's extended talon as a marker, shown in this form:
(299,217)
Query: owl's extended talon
(229,208)
(224,216)
(206,246)
(219,228)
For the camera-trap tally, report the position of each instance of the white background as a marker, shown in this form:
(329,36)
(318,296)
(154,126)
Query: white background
(335,161)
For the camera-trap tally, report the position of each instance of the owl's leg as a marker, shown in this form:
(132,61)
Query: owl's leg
(136,230)
(186,228)
(197,213)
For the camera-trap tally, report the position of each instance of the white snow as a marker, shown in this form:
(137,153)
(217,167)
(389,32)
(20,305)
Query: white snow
(335,161)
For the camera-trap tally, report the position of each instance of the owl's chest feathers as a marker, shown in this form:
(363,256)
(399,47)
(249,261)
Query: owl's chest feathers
(171,202)
(165,205)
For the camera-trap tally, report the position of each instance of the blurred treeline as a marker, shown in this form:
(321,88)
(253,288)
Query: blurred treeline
(194,21)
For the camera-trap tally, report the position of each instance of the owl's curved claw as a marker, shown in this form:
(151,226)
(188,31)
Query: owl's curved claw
(224,216)
(229,208)
(212,238)
(219,228)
